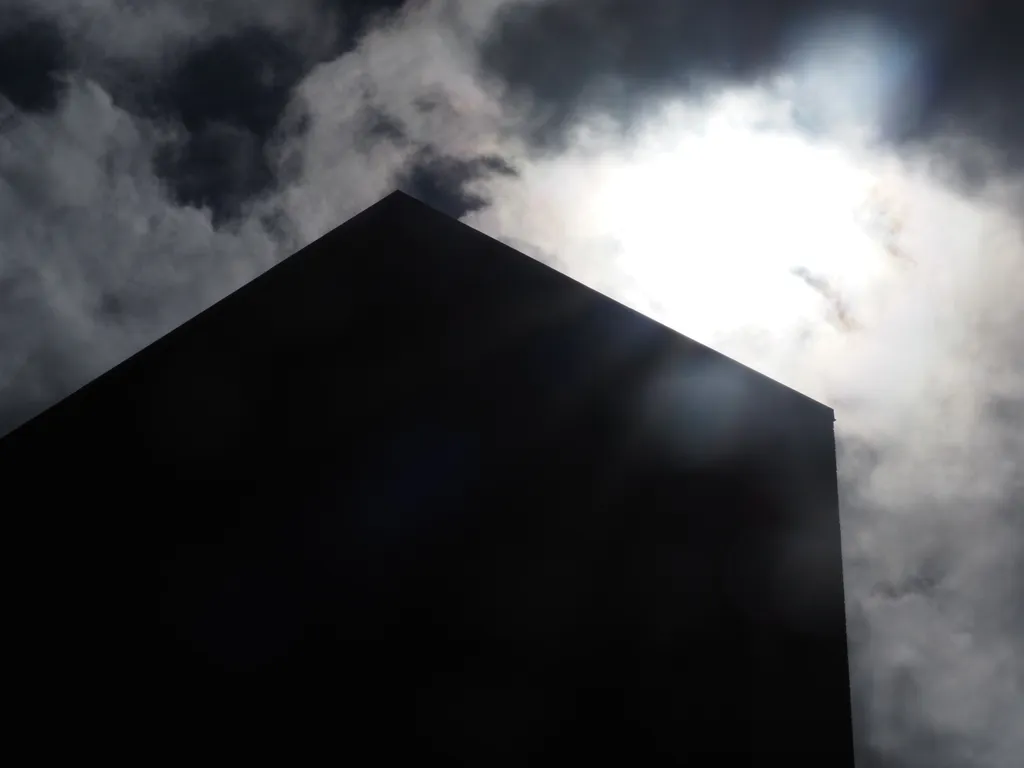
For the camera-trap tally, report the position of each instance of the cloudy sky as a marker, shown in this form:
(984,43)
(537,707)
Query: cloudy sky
(831,191)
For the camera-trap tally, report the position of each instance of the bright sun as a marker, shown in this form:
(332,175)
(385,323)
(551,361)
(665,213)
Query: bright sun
(724,223)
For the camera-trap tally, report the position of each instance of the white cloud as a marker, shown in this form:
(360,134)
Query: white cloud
(419,73)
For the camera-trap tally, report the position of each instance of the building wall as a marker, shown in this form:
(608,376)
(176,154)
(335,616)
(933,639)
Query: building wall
(415,493)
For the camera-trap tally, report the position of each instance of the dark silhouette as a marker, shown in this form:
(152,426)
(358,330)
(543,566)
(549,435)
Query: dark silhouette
(411,495)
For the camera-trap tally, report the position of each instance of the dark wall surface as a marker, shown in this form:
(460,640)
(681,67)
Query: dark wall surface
(413,495)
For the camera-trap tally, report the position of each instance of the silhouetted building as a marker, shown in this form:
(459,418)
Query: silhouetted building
(413,496)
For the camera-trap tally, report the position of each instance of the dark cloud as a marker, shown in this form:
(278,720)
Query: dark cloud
(574,42)
(33,56)
(377,126)
(611,56)
(604,54)
(228,96)
(220,166)
(976,77)
(354,17)
(443,182)
(243,79)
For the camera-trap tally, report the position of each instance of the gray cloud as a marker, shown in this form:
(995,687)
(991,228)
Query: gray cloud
(95,258)
(120,223)
(129,200)
(32,55)
(962,66)
(153,33)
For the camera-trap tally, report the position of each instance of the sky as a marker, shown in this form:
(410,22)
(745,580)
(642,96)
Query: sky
(831,191)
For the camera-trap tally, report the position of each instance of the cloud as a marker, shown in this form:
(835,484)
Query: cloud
(128,209)
(130,199)
(152,33)
(97,259)
(32,54)
(961,67)
(407,97)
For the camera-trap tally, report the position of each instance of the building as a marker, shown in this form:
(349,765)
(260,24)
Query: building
(411,494)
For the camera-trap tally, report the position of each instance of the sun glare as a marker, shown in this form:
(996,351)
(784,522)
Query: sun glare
(726,224)
(762,220)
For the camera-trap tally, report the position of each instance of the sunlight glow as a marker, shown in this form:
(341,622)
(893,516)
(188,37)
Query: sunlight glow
(771,221)
(729,223)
